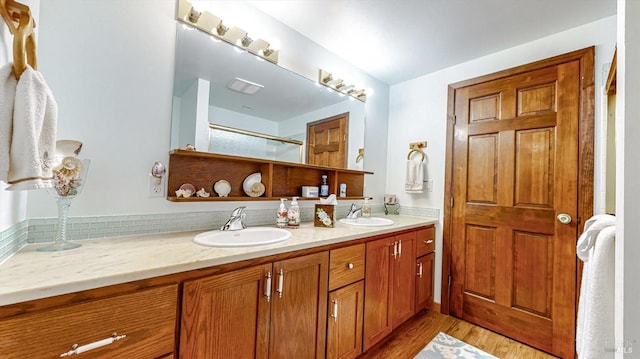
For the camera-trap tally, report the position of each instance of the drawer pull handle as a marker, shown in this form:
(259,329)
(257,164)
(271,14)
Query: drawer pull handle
(75,349)
(429,241)
(419,270)
(350,266)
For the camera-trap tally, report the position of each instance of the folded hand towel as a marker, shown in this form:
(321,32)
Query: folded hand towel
(414,179)
(592,227)
(33,141)
(7,97)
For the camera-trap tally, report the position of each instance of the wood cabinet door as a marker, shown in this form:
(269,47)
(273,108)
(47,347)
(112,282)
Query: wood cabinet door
(424,281)
(377,323)
(403,279)
(226,316)
(344,330)
(299,307)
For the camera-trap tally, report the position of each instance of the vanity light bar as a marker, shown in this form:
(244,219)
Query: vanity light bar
(326,79)
(212,25)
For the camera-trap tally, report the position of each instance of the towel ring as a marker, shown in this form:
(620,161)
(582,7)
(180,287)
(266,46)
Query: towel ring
(18,18)
(417,147)
(413,151)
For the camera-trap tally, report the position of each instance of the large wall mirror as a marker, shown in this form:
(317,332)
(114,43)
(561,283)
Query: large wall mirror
(209,88)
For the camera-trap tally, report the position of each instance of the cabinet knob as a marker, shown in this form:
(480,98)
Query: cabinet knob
(350,265)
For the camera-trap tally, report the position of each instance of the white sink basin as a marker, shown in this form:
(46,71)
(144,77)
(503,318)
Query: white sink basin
(367,221)
(252,236)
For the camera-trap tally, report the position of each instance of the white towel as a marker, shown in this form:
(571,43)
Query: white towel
(33,141)
(595,324)
(592,227)
(8,84)
(414,178)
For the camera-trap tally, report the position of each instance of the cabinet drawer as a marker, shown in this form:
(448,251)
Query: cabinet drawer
(346,265)
(426,241)
(146,317)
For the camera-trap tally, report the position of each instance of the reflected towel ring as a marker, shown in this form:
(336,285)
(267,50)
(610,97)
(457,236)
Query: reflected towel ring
(417,147)
(360,154)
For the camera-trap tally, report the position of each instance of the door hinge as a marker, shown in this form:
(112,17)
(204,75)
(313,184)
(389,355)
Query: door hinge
(455,119)
(449,281)
(451,202)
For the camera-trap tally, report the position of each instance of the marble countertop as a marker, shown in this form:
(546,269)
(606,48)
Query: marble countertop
(30,274)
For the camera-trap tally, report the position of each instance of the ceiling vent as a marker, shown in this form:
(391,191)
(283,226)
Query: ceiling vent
(244,86)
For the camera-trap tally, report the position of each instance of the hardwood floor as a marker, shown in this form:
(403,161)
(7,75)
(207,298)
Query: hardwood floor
(413,335)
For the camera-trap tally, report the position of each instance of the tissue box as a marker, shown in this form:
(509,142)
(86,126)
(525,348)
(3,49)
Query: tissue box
(309,191)
(324,215)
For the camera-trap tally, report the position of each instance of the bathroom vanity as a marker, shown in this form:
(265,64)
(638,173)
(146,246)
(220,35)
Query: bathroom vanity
(322,293)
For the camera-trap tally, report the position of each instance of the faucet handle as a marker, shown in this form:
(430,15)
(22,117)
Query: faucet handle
(238,211)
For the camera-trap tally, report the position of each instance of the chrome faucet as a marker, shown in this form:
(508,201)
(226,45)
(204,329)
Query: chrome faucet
(236,221)
(354,212)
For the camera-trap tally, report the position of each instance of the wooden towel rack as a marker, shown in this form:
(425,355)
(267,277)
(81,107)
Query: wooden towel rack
(417,147)
(21,24)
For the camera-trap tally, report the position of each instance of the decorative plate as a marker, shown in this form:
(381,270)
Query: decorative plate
(250,181)
(222,188)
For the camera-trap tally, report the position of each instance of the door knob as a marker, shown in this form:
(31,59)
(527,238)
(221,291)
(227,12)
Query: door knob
(564,218)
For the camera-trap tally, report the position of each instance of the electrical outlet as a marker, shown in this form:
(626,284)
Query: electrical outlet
(156,188)
(430,185)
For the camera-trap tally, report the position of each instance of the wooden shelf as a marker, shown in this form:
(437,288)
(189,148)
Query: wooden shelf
(281,179)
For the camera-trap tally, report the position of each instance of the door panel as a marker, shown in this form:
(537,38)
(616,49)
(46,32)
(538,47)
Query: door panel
(515,167)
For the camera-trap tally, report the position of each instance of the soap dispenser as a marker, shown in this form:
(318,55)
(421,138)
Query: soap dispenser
(366,208)
(281,214)
(324,187)
(293,214)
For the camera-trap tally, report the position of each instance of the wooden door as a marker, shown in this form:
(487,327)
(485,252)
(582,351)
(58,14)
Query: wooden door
(515,168)
(344,331)
(402,291)
(299,307)
(327,141)
(226,316)
(377,322)
(424,281)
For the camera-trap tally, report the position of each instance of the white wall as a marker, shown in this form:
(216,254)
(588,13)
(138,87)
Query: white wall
(13,205)
(627,286)
(418,108)
(110,66)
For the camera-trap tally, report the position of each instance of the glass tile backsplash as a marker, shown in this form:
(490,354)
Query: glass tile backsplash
(41,230)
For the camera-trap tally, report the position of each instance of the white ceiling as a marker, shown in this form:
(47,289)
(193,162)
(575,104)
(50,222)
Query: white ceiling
(397,40)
